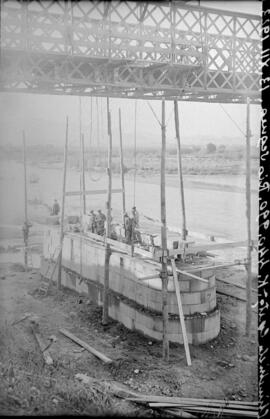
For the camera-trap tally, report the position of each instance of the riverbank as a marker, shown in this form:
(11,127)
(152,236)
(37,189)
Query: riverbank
(234,183)
(225,368)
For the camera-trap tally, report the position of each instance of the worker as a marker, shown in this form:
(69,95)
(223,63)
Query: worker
(92,222)
(25,229)
(135,216)
(128,228)
(55,208)
(100,223)
(135,225)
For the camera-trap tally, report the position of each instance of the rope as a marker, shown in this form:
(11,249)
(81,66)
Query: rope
(135,153)
(80,116)
(155,115)
(91,121)
(168,120)
(97,178)
(233,121)
(81,197)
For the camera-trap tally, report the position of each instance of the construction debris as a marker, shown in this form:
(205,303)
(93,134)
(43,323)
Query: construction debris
(93,351)
(184,407)
(24,317)
(43,347)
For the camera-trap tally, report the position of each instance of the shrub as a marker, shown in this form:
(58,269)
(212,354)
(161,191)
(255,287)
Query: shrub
(211,148)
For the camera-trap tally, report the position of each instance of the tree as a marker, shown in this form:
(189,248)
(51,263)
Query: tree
(211,148)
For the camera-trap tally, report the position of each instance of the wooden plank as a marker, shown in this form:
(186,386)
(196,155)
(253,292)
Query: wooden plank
(192,275)
(122,167)
(57,263)
(24,317)
(194,404)
(46,354)
(63,208)
(248,215)
(222,265)
(164,273)
(25,236)
(83,174)
(216,246)
(181,313)
(105,311)
(217,410)
(180,171)
(175,399)
(93,192)
(89,348)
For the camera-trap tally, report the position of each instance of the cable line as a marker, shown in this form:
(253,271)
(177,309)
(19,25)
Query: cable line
(242,132)
(155,115)
(135,153)
(97,178)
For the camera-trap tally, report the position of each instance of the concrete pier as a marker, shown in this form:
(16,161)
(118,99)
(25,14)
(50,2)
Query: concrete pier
(133,302)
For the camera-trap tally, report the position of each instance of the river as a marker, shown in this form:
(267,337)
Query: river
(218,212)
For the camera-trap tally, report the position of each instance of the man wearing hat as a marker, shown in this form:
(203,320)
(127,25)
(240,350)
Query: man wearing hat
(92,221)
(55,208)
(127,227)
(135,216)
(100,223)
(135,225)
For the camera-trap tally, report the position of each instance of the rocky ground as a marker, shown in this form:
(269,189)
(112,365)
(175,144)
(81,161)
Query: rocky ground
(78,383)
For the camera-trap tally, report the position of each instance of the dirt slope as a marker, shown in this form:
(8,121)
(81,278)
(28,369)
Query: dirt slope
(225,367)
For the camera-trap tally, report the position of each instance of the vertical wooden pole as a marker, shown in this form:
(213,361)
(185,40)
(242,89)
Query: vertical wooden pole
(83,174)
(180,171)
(105,313)
(63,208)
(25,205)
(164,273)
(181,313)
(122,167)
(248,211)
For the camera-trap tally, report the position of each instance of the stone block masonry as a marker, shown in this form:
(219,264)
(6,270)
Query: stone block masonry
(135,303)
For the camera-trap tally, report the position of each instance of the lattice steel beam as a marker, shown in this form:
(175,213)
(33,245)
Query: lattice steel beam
(128,47)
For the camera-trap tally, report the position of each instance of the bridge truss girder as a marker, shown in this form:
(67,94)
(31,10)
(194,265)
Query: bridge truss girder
(180,51)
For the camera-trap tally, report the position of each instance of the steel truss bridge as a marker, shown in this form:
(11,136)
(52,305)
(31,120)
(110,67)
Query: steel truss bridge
(130,49)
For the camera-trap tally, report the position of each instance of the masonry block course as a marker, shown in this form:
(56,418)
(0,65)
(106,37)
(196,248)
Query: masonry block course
(132,301)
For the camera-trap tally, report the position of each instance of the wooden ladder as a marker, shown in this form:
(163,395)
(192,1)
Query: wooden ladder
(45,285)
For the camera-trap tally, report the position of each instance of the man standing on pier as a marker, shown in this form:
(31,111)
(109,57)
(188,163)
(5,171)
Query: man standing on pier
(128,228)
(135,225)
(55,208)
(100,223)
(135,216)
(92,221)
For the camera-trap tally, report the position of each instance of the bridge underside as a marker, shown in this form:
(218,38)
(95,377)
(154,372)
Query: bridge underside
(50,51)
(58,74)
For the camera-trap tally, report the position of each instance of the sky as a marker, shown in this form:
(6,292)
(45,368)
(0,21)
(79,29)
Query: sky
(43,116)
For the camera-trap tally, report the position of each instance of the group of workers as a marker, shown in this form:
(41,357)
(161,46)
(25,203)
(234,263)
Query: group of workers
(131,224)
(97,223)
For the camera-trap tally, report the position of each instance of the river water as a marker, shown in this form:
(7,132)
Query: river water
(218,212)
